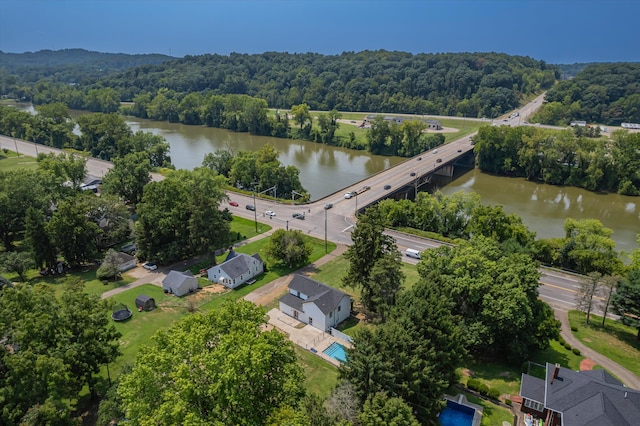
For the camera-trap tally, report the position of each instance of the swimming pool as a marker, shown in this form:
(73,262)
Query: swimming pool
(336,351)
(455,414)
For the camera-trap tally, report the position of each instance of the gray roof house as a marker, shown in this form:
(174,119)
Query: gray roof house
(579,398)
(179,283)
(315,303)
(125,261)
(236,270)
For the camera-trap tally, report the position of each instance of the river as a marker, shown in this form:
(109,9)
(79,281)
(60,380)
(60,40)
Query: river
(325,170)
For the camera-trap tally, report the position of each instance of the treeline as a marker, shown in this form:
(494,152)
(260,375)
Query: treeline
(561,158)
(601,93)
(469,84)
(586,247)
(104,136)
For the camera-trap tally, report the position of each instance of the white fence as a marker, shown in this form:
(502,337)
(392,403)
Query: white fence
(340,335)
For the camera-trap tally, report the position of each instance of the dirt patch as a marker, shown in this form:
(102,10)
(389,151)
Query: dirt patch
(586,339)
(587,364)
(505,374)
(467,373)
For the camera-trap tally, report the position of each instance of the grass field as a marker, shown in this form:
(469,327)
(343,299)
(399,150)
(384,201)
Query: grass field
(616,341)
(10,161)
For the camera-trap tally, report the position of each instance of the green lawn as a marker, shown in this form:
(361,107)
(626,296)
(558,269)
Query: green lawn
(616,341)
(320,376)
(10,161)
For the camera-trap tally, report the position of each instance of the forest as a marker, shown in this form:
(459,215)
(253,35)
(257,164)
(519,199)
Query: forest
(469,84)
(605,93)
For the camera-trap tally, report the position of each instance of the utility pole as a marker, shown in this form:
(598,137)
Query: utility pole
(326,249)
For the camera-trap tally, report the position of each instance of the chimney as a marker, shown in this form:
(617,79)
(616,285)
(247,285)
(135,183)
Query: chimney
(556,370)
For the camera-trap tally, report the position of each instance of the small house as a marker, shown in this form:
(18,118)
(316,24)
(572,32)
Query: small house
(236,270)
(179,283)
(315,303)
(125,261)
(145,303)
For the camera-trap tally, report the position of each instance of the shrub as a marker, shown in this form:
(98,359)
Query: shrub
(473,384)
(574,328)
(483,389)
(508,402)
(576,351)
(561,341)
(494,394)
(567,346)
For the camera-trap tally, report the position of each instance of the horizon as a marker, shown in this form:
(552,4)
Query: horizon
(565,32)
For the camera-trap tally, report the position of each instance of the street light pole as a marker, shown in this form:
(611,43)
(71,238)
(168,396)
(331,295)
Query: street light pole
(356,212)
(255,213)
(326,249)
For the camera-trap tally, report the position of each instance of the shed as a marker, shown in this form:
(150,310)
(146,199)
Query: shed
(179,283)
(145,302)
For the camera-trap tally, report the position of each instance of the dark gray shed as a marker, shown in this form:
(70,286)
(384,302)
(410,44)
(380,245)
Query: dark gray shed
(144,302)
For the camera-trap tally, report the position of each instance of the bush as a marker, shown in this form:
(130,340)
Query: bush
(574,328)
(473,384)
(508,402)
(561,341)
(494,394)
(483,389)
(576,351)
(567,346)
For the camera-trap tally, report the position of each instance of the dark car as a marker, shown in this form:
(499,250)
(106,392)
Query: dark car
(412,174)
(419,158)
(387,187)
(298,216)
(439,160)
(460,150)
(328,206)
(250,207)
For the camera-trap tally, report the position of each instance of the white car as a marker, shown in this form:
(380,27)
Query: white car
(348,195)
(150,266)
(435,151)
(270,213)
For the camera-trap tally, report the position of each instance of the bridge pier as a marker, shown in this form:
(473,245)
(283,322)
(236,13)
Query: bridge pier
(445,171)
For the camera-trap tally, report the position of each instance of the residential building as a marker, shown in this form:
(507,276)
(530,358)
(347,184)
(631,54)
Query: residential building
(236,270)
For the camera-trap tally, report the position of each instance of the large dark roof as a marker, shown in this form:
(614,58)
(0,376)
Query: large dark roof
(590,398)
(532,388)
(326,298)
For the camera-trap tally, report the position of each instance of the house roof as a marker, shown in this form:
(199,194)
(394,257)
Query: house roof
(237,264)
(590,398)
(324,297)
(176,278)
(122,258)
(532,388)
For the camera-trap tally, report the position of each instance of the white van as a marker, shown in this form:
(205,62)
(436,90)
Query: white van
(412,253)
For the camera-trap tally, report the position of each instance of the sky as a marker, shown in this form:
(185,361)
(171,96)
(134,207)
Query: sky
(556,31)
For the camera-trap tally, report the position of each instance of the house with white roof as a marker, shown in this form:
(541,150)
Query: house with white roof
(236,270)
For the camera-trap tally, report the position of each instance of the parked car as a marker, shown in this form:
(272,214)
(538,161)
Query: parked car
(233,203)
(387,187)
(328,206)
(298,216)
(250,207)
(270,213)
(150,266)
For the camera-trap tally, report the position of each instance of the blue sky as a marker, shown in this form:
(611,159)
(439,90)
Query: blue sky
(556,31)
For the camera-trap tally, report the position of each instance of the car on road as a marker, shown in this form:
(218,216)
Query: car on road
(270,213)
(298,216)
(419,158)
(328,206)
(435,151)
(350,195)
(459,150)
(439,160)
(387,187)
(150,266)
(412,174)
(233,203)
(250,207)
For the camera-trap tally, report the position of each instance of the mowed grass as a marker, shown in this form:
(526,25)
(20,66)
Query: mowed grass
(320,376)
(10,161)
(616,341)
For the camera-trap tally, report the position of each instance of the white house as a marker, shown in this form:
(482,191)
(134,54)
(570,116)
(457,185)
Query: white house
(179,283)
(314,303)
(125,261)
(236,270)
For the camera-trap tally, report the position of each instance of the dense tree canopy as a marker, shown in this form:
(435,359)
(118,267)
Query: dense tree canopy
(51,349)
(216,368)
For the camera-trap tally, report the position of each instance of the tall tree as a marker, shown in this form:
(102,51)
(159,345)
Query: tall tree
(213,368)
(385,282)
(370,244)
(127,177)
(381,410)
(588,289)
(73,233)
(626,301)
(608,288)
(37,239)
(289,247)
(589,247)
(301,114)
(18,262)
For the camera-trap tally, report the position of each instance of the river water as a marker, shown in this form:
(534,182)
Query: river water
(325,170)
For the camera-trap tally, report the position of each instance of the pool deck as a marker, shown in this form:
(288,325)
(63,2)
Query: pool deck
(304,335)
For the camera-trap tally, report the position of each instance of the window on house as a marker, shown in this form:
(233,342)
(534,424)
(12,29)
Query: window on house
(339,308)
(310,321)
(330,314)
(534,405)
(295,314)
